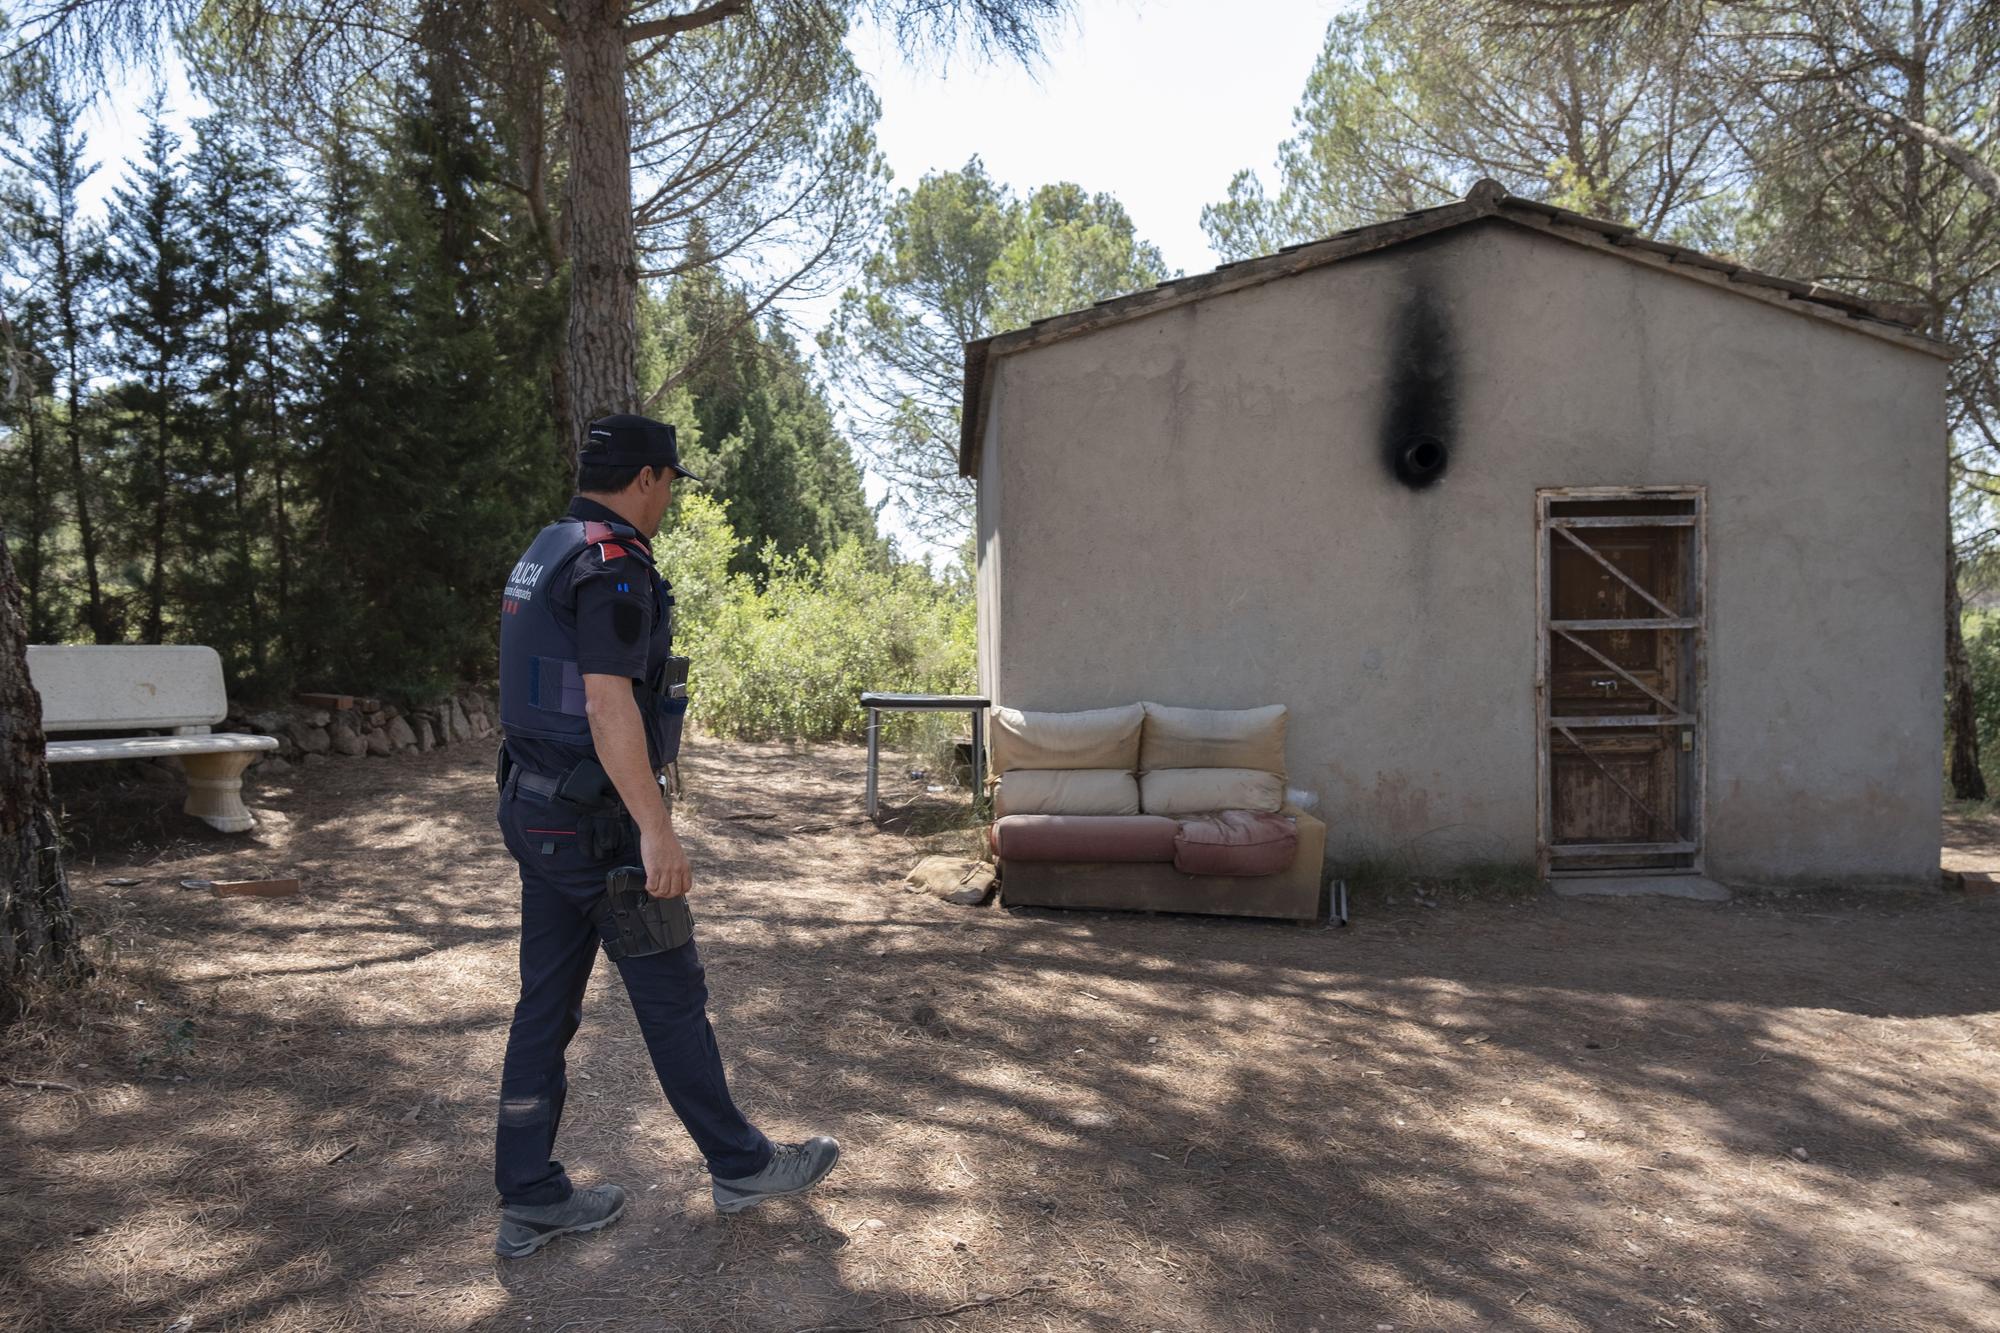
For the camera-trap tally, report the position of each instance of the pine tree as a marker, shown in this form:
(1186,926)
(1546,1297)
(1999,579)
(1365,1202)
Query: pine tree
(152,291)
(962,258)
(27,489)
(429,430)
(273,321)
(57,255)
(237,233)
(340,463)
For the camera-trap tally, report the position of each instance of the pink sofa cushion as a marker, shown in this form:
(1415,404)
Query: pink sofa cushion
(1084,838)
(1236,842)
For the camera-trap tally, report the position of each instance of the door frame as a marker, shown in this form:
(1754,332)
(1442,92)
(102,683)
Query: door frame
(1691,623)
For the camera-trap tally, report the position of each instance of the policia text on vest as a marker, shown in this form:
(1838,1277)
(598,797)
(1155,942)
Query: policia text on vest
(592,701)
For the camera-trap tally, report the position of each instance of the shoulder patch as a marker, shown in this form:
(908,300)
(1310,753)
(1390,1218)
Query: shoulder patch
(627,622)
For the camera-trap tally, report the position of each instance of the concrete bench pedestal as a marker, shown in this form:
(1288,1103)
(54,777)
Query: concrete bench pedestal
(115,687)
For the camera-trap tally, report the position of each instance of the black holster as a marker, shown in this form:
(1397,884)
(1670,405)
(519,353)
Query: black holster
(587,788)
(641,924)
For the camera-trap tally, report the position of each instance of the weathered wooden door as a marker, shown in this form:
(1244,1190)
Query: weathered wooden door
(1619,681)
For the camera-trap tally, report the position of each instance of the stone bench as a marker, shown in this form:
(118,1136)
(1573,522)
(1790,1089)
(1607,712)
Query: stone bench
(150,687)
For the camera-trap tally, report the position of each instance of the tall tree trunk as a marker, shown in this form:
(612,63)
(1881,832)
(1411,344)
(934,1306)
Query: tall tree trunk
(275,442)
(603,337)
(35,559)
(1961,711)
(246,571)
(38,939)
(281,526)
(69,301)
(156,582)
(100,624)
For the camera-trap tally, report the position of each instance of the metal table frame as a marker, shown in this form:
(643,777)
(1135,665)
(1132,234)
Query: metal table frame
(879,703)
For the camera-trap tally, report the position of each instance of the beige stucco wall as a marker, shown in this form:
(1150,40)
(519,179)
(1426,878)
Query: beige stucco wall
(1194,509)
(987,535)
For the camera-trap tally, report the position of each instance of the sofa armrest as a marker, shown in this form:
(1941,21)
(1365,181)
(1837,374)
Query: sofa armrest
(1312,839)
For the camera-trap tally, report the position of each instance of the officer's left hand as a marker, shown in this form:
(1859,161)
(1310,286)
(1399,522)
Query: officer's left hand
(668,874)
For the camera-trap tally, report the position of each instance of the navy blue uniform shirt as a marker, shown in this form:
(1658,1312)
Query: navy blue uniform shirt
(606,598)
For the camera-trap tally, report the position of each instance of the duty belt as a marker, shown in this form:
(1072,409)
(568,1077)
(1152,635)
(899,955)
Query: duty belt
(547,785)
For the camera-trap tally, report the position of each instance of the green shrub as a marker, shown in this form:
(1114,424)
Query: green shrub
(789,660)
(1982,653)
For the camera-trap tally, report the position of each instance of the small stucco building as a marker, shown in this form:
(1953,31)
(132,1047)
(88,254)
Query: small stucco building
(1563,546)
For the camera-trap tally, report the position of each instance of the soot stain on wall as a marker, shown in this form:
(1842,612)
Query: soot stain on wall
(1420,418)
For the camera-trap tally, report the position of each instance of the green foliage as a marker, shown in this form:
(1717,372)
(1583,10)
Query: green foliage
(1982,653)
(304,410)
(428,435)
(963,258)
(152,295)
(789,659)
(768,446)
(1068,249)
(234,427)
(697,550)
(1408,105)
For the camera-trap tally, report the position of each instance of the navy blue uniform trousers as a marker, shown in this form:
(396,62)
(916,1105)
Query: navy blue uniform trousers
(669,993)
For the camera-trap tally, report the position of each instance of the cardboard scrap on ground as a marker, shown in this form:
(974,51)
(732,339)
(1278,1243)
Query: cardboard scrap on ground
(255,888)
(956,879)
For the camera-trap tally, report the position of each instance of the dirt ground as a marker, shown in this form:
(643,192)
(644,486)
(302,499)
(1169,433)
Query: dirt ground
(1465,1111)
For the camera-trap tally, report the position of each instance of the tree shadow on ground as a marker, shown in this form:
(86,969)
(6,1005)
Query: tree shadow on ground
(1542,1114)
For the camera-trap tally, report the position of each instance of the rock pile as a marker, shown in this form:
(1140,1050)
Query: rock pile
(341,726)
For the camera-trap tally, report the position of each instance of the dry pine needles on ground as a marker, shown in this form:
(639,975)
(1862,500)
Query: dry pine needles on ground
(1508,1112)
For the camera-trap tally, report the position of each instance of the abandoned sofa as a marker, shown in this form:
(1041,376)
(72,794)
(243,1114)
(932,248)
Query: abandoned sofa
(1151,808)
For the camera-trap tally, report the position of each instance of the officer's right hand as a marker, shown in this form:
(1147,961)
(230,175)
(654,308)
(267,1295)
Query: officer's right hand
(668,874)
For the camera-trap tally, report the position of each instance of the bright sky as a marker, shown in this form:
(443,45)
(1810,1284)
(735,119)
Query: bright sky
(1159,103)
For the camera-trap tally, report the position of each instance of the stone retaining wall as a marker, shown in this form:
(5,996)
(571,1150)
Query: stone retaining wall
(308,734)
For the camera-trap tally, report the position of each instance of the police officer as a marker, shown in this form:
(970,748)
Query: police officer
(591,703)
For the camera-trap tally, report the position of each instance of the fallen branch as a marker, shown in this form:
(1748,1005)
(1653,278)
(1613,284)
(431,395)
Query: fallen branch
(41,1084)
(979,1304)
(342,1153)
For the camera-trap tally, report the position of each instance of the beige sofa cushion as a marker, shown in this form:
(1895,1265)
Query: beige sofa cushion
(1214,738)
(1098,738)
(1194,791)
(1066,791)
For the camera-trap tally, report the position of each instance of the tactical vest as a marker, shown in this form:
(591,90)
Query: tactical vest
(541,690)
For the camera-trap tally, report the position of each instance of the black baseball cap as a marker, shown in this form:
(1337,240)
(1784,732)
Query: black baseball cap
(629,440)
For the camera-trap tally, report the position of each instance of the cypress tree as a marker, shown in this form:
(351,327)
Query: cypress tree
(777,462)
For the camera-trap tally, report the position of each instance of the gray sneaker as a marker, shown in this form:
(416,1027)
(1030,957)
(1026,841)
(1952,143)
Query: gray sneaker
(794,1168)
(525,1230)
